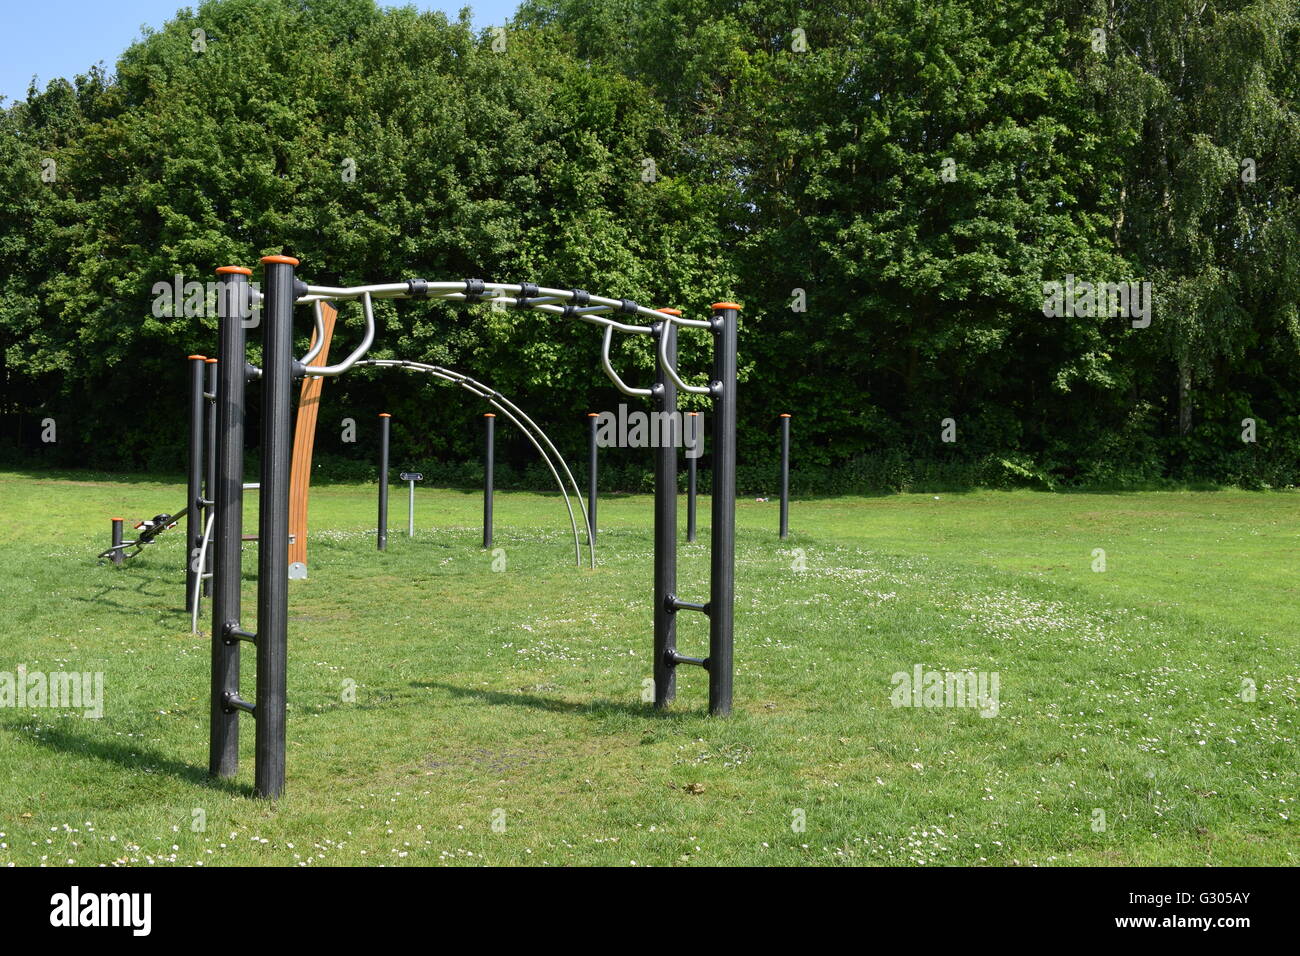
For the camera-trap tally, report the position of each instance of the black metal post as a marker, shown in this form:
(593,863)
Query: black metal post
(210,471)
(194,484)
(592,467)
(785,475)
(697,434)
(117,541)
(273,525)
(381,539)
(722,560)
(664,402)
(489,466)
(233,307)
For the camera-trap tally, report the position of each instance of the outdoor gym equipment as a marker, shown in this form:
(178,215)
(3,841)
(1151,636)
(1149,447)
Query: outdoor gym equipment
(282,291)
(149,529)
(785,475)
(385,428)
(592,418)
(515,415)
(690,485)
(489,466)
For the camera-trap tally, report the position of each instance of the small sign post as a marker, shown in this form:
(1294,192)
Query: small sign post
(411,477)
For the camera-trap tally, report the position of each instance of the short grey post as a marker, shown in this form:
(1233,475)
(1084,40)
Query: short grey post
(696,434)
(210,472)
(664,399)
(722,560)
(194,484)
(233,307)
(381,539)
(785,475)
(489,466)
(592,467)
(273,526)
(116,556)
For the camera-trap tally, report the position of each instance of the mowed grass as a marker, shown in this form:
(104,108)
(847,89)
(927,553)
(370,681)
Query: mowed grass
(515,696)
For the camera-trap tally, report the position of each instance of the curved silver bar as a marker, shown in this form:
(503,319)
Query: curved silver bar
(329,371)
(319,344)
(201,560)
(613,375)
(577,492)
(514,414)
(495,396)
(204,545)
(667,366)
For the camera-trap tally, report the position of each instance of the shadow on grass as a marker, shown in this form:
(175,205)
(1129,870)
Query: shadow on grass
(555,705)
(101,597)
(129,756)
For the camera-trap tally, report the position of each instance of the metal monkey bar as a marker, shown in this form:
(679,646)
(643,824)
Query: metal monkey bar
(280,368)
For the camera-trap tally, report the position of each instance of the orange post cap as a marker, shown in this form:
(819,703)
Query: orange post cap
(200,358)
(725,305)
(233,270)
(284,260)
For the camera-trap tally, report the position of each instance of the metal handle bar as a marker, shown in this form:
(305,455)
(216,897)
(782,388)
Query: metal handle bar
(319,342)
(329,371)
(456,291)
(668,366)
(609,368)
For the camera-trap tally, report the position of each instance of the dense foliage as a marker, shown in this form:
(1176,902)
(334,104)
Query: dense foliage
(886,186)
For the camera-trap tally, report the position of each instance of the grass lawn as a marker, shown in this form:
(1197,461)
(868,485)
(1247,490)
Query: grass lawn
(516,695)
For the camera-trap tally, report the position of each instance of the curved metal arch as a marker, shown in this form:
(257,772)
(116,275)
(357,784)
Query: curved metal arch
(531,430)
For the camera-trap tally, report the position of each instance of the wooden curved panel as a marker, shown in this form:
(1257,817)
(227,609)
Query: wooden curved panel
(304,438)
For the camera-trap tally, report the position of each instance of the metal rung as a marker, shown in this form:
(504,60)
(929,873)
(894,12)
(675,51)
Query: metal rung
(240,634)
(235,702)
(673,659)
(674,604)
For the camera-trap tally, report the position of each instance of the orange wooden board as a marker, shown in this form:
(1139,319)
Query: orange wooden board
(304,438)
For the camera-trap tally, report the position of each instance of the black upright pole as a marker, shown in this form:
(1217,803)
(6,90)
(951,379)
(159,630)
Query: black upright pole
(664,400)
(722,561)
(697,435)
(592,471)
(194,484)
(116,557)
(785,475)
(233,307)
(273,525)
(210,462)
(381,539)
(489,466)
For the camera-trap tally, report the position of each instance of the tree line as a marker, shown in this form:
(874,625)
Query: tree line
(977,242)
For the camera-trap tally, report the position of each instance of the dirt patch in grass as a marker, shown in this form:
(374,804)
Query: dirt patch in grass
(494,761)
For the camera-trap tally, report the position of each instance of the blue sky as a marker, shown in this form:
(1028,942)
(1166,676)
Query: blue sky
(52,38)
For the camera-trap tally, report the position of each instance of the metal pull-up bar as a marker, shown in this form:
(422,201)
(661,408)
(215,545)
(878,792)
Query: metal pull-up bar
(283,291)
